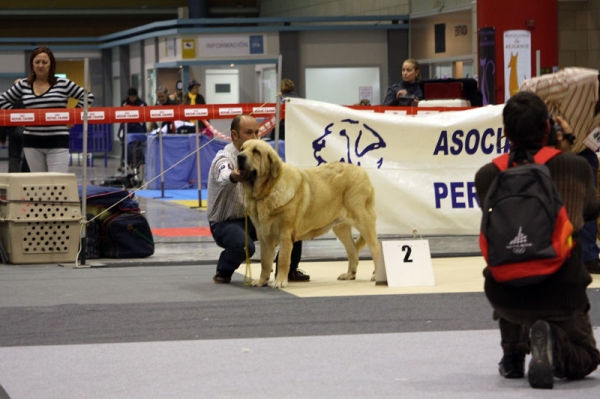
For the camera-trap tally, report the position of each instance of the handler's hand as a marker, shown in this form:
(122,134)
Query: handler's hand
(237,175)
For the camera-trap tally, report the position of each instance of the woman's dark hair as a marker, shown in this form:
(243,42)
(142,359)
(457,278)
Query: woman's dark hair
(51,78)
(525,116)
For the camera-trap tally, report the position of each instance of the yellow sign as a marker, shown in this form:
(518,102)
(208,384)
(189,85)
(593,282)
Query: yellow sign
(188,49)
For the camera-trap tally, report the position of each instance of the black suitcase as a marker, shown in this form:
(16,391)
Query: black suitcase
(126,235)
(92,238)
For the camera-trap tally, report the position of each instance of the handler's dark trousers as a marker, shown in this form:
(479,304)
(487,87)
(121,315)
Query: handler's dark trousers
(231,235)
(575,352)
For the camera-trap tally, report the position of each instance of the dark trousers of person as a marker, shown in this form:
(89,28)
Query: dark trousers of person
(16,160)
(575,352)
(231,235)
(589,232)
(131,128)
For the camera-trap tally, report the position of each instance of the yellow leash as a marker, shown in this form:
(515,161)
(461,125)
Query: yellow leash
(248,274)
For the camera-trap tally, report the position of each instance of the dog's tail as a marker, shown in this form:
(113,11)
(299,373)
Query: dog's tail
(360,243)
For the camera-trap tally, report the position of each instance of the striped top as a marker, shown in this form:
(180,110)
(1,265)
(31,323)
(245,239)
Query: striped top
(571,93)
(225,198)
(54,136)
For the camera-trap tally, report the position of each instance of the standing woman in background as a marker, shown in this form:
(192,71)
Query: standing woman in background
(408,93)
(46,147)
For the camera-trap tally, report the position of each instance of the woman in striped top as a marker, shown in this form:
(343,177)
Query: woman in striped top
(46,147)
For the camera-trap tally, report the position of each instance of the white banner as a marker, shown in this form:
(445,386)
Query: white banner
(422,167)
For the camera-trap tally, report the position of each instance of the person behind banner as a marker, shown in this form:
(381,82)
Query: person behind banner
(192,97)
(288,90)
(406,93)
(132,100)
(162,98)
(549,318)
(177,97)
(46,147)
(225,207)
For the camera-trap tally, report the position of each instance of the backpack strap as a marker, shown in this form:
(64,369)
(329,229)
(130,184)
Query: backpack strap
(501,162)
(542,157)
(545,154)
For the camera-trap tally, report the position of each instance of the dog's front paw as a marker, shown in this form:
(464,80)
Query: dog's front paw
(259,283)
(347,276)
(373,276)
(279,283)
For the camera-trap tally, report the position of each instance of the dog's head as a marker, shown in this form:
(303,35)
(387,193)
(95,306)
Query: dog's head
(260,164)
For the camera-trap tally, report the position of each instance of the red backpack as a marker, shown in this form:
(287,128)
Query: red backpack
(525,230)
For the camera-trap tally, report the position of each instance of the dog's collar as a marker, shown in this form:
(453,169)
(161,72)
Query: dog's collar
(271,188)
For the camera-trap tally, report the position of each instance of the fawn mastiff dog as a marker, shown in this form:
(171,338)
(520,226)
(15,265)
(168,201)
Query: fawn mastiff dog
(287,204)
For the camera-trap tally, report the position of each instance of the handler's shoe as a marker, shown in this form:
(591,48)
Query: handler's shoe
(298,276)
(593,266)
(541,371)
(512,365)
(220,279)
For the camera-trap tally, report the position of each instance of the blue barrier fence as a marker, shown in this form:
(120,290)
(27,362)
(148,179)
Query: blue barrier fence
(99,141)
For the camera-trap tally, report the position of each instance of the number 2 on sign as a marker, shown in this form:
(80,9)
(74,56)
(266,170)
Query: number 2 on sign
(408,250)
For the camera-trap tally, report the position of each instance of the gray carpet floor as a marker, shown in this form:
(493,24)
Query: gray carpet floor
(169,332)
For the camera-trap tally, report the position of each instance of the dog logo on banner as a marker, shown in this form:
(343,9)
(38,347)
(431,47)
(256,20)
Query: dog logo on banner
(360,139)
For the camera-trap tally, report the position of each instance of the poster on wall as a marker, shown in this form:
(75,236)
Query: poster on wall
(365,93)
(170,47)
(517,60)
(188,49)
(487,65)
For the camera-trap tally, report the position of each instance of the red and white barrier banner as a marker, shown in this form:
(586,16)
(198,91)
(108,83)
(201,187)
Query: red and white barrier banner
(196,112)
(161,113)
(68,116)
(21,117)
(158,113)
(263,110)
(214,131)
(265,127)
(95,115)
(422,164)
